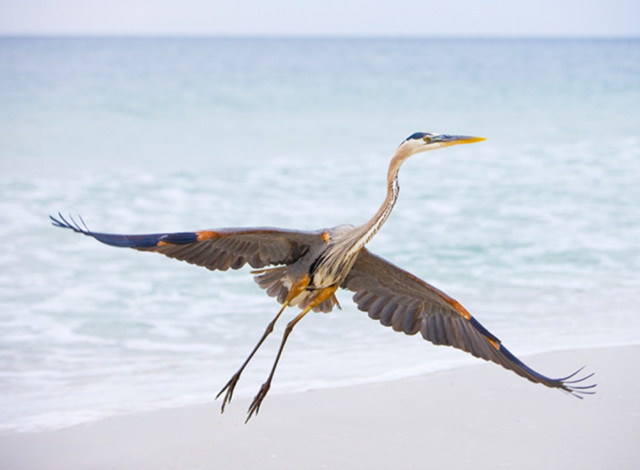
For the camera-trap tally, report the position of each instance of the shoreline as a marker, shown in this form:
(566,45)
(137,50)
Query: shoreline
(480,415)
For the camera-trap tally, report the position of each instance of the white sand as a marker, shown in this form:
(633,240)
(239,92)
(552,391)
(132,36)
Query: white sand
(480,417)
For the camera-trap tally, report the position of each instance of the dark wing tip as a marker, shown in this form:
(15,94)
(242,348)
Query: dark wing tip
(572,383)
(123,241)
(576,385)
(72,224)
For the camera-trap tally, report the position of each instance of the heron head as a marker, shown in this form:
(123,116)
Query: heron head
(423,141)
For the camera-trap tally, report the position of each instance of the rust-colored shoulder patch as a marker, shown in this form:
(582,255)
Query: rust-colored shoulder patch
(161,243)
(459,308)
(494,343)
(326,237)
(206,235)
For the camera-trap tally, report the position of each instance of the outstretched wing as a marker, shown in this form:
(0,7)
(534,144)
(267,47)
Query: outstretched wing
(398,299)
(218,249)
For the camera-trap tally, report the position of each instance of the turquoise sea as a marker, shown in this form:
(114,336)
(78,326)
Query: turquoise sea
(536,231)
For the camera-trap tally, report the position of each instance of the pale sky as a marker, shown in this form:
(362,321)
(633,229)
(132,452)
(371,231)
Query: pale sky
(326,17)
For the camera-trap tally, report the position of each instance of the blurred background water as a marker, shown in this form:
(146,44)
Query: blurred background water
(536,231)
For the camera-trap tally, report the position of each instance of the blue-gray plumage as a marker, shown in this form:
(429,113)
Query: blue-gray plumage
(417,135)
(305,269)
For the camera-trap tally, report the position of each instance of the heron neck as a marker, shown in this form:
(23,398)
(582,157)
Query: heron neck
(370,228)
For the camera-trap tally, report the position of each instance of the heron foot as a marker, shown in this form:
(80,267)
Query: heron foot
(231,384)
(257,401)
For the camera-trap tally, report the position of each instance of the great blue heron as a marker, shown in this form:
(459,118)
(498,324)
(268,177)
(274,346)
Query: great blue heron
(307,268)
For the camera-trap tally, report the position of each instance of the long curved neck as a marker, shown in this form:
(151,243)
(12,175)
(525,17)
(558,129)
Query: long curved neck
(336,262)
(370,228)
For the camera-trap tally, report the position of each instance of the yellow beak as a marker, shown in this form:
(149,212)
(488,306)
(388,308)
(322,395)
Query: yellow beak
(448,140)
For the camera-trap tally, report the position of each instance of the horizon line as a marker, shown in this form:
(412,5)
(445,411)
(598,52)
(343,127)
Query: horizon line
(170,35)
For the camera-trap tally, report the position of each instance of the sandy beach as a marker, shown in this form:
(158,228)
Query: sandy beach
(473,417)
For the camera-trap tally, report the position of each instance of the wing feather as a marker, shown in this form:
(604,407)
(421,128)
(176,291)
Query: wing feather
(399,299)
(219,249)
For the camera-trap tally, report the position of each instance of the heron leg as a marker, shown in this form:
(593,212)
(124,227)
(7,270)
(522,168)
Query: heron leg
(231,384)
(264,389)
(294,291)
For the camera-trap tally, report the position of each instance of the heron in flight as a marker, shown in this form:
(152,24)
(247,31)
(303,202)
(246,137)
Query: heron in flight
(305,269)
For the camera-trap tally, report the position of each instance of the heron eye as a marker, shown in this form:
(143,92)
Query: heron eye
(427,139)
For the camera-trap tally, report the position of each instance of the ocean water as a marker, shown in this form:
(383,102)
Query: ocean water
(536,231)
